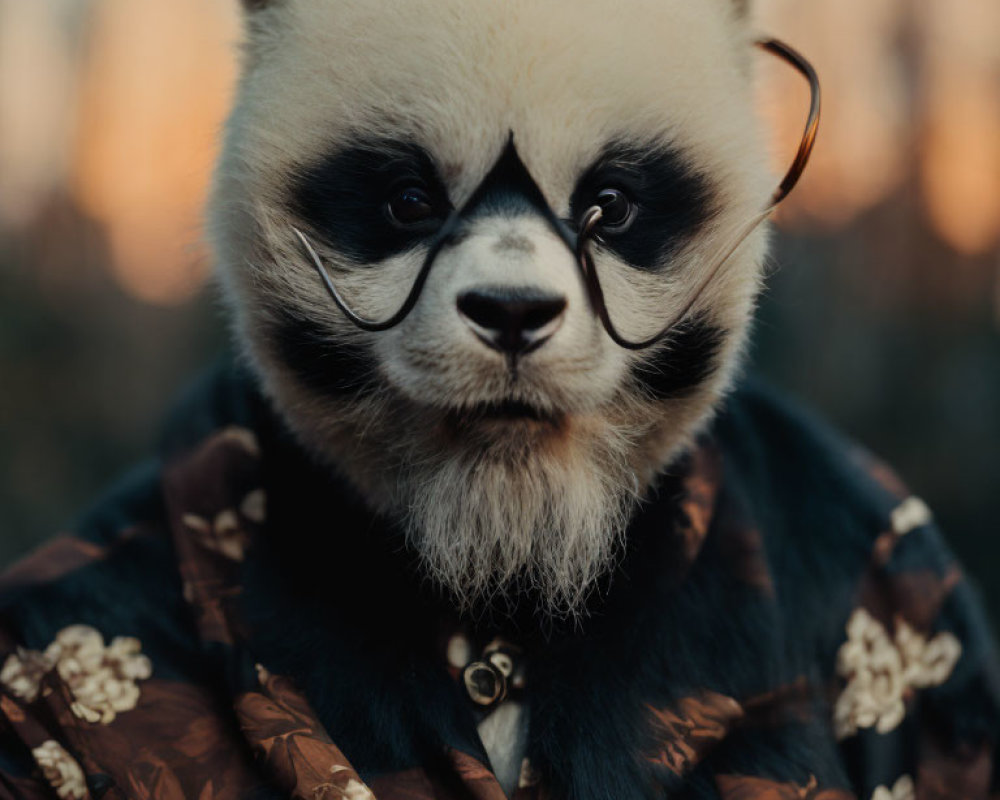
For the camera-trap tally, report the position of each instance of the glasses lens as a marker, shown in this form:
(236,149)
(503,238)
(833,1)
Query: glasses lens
(643,306)
(370,294)
(638,303)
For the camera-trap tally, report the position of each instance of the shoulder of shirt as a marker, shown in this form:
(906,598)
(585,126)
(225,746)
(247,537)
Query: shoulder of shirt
(806,482)
(116,568)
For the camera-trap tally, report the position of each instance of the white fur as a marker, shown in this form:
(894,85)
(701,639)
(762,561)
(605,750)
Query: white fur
(486,502)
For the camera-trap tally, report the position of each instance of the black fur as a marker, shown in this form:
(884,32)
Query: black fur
(342,198)
(674,201)
(688,358)
(508,189)
(328,366)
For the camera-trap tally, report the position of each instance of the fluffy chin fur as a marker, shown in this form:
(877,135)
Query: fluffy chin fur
(491,507)
(518,510)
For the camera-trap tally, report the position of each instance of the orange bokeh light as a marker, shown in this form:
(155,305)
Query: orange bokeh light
(130,120)
(153,97)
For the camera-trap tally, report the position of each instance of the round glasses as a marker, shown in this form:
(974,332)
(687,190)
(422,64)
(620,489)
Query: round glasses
(579,242)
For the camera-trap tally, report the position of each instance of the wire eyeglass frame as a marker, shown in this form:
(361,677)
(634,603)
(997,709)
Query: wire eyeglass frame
(579,242)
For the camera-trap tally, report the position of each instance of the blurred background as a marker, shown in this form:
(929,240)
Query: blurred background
(883,307)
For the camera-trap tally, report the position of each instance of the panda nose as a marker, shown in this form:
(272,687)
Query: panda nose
(514,321)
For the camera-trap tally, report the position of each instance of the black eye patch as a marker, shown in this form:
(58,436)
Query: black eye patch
(673,199)
(328,366)
(690,359)
(343,198)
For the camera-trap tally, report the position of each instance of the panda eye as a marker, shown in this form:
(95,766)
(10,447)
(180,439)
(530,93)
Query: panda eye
(411,205)
(618,210)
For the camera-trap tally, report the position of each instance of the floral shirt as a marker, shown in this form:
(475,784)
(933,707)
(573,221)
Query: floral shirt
(233,622)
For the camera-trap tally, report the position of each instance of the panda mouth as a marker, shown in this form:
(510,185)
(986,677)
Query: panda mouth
(512,411)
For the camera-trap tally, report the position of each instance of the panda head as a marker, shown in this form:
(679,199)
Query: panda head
(498,422)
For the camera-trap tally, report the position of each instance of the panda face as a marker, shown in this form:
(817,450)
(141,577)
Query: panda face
(497,420)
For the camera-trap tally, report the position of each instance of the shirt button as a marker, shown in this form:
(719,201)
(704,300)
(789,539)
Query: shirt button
(485,683)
